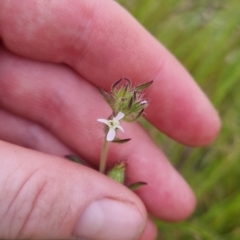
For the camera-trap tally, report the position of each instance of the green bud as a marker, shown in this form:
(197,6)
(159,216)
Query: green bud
(127,99)
(117,173)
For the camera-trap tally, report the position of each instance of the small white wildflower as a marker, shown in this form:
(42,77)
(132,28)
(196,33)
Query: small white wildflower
(113,124)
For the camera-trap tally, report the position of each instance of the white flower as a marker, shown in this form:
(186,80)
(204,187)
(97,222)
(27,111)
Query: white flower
(113,124)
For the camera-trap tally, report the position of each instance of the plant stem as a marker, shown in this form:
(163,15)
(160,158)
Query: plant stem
(103,159)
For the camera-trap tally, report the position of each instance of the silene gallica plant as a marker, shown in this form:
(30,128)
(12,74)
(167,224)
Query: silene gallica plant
(127,104)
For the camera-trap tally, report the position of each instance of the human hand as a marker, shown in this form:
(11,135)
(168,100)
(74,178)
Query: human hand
(49,102)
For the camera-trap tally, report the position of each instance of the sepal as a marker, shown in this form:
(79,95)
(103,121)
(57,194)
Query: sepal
(143,86)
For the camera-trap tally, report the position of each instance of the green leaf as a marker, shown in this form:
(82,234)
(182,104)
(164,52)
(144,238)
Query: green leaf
(137,185)
(143,86)
(117,140)
(76,159)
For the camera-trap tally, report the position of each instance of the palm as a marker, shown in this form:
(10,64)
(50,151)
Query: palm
(50,102)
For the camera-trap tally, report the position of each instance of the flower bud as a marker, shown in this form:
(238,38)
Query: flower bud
(127,99)
(117,173)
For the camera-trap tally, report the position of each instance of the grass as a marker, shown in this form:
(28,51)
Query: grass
(210,50)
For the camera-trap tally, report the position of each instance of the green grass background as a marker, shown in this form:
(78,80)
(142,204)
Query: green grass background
(205,36)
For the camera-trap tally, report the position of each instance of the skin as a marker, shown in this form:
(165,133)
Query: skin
(53,56)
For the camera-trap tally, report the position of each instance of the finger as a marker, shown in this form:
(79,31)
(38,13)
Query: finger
(25,133)
(102,43)
(68,106)
(31,135)
(150,231)
(46,197)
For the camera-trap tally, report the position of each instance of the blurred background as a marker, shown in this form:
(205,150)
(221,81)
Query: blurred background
(205,36)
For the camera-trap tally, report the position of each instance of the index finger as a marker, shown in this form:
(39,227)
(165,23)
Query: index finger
(102,42)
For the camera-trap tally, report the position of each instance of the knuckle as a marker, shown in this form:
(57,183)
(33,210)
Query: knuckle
(28,206)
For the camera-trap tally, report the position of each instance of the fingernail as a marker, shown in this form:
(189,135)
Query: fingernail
(108,219)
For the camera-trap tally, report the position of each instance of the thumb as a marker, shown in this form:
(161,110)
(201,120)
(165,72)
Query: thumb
(46,197)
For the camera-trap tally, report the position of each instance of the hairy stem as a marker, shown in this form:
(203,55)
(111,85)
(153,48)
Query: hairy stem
(103,159)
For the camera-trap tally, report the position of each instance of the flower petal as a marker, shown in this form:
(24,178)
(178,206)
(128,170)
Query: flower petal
(111,135)
(120,127)
(143,102)
(119,116)
(103,121)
